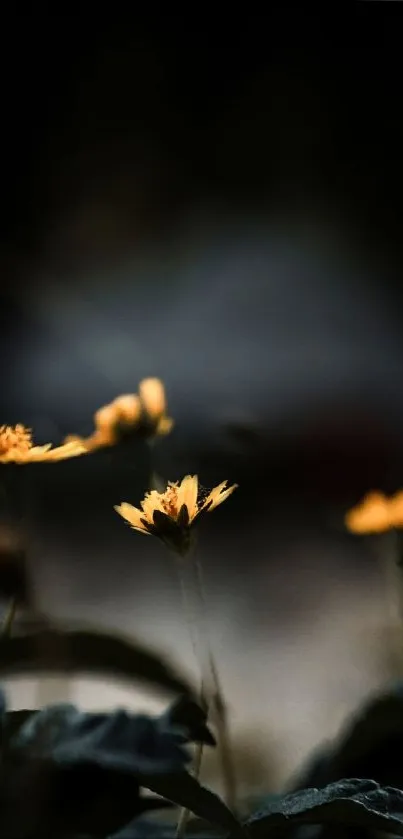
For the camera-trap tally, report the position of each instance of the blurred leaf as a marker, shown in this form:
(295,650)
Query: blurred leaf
(14,720)
(351,803)
(315,772)
(144,828)
(90,768)
(78,773)
(40,800)
(189,716)
(370,744)
(84,651)
(132,743)
(186,791)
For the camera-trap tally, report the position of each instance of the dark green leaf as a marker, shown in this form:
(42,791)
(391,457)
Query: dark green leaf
(372,743)
(188,715)
(146,748)
(80,773)
(14,720)
(350,803)
(83,651)
(316,771)
(186,791)
(144,828)
(40,800)
(120,741)
(369,745)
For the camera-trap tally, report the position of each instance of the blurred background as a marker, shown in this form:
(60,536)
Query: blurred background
(217,204)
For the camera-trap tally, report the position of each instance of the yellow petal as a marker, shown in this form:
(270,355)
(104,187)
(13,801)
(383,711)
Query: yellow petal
(152,501)
(187,494)
(34,453)
(152,395)
(396,510)
(59,453)
(373,515)
(106,417)
(218,495)
(128,408)
(132,515)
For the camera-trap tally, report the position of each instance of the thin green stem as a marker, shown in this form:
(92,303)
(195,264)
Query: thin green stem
(9,619)
(195,604)
(219,708)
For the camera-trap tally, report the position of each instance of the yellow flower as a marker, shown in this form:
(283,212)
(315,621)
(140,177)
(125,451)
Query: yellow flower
(171,515)
(16,446)
(142,414)
(153,406)
(376,514)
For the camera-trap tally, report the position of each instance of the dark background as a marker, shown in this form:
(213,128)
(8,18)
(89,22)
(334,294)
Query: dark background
(216,202)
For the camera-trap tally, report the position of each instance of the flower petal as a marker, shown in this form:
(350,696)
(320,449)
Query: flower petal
(128,408)
(373,515)
(187,494)
(64,452)
(217,495)
(132,515)
(106,418)
(46,453)
(152,395)
(152,501)
(223,496)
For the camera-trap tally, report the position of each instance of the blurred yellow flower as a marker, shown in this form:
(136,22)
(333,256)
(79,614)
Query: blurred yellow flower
(376,514)
(143,414)
(16,446)
(170,515)
(153,406)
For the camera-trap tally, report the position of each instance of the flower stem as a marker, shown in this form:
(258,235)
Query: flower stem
(219,708)
(194,599)
(9,619)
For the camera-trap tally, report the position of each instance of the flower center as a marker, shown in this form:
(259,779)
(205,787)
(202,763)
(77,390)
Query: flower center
(170,502)
(15,438)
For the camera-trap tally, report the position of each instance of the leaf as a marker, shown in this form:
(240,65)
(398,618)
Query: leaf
(79,773)
(186,791)
(14,720)
(147,749)
(188,715)
(372,742)
(120,741)
(369,745)
(59,801)
(84,651)
(350,803)
(90,768)
(144,828)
